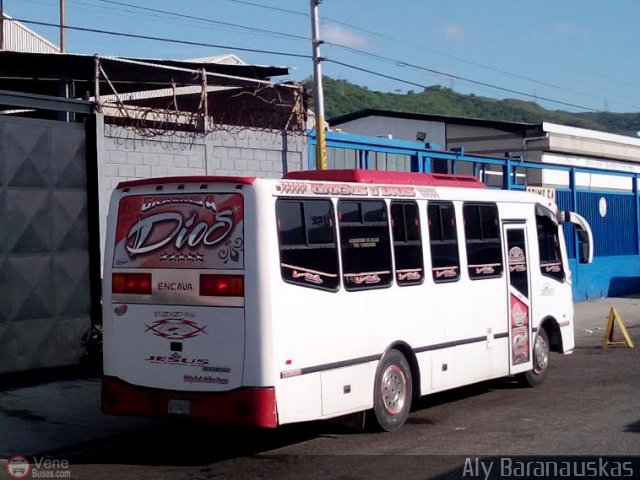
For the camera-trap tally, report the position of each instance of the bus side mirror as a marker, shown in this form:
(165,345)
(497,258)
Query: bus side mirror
(585,237)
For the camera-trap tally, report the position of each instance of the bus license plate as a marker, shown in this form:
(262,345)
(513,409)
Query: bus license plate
(179,407)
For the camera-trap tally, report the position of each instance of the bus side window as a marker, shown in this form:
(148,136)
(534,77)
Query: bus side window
(482,231)
(549,247)
(443,239)
(365,244)
(307,240)
(407,243)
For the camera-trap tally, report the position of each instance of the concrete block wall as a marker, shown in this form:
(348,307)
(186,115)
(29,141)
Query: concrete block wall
(266,154)
(125,155)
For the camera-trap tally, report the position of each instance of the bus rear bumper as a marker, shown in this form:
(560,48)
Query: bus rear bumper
(249,406)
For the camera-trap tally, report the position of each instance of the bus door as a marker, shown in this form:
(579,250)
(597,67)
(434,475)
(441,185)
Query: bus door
(519,297)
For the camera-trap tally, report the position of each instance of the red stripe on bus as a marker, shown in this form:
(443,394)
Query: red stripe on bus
(248,406)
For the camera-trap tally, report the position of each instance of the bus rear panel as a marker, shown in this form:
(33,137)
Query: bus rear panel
(174,305)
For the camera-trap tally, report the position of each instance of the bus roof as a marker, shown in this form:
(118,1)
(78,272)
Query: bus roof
(387,177)
(380,177)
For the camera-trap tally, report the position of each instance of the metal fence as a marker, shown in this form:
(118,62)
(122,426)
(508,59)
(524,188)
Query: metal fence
(614,214)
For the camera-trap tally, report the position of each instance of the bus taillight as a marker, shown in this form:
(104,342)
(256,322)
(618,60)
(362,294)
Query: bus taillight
(136,283)
(221,285)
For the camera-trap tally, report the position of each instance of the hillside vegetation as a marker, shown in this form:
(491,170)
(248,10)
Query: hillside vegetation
(343,97)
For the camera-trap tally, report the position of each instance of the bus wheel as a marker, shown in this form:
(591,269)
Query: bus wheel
(541,353)
(392,392)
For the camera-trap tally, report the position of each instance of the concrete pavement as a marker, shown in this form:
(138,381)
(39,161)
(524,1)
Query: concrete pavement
(591,320)
(45,418)
(55,416)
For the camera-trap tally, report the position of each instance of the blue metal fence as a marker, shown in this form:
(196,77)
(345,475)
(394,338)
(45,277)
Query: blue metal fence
(614,216)
(614,229)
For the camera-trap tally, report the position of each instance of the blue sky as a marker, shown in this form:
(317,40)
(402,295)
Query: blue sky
(581,52)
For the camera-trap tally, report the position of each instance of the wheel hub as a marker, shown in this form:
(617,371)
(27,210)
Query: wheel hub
(394,389)
(541,353)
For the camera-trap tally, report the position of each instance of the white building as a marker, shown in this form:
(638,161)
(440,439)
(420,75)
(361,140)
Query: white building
(19,38)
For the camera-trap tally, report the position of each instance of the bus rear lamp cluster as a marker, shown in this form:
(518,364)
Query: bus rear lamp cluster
(212,285)
(135,283)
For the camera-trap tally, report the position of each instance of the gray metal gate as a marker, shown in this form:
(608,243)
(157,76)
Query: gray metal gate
(45,295)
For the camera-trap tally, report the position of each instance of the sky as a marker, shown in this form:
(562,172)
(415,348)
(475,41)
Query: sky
(574,55)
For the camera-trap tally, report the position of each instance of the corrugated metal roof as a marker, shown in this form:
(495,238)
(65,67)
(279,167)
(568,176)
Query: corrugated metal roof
(228,59)
(127,74)
(592,134)
(519,127)
(19,38)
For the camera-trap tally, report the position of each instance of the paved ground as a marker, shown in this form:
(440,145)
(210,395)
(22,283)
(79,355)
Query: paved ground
(590,405)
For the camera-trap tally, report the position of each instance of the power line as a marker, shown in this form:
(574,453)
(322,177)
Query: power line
(350,25)
(463,60)
(191,17)
(158,39)
(389,77)
(458,77)
(109,10)
(204,19)
(484,84)
(162,15)
(270,52)
(201,19)
(92,7)
(268,7)
(299,37)
(296,55)
(455,57)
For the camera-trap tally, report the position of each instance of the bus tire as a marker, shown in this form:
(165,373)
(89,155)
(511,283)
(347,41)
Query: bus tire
(392,392)
(541,352)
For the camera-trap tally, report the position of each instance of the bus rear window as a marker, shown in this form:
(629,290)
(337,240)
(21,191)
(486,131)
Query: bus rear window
(308,250)
(180,231)
(365,244)
(482,231)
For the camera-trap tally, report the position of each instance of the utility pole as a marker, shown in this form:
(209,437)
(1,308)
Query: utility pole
(63,46)
(321,150)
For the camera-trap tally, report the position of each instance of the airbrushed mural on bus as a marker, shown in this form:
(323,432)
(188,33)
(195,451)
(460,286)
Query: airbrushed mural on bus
(263,302)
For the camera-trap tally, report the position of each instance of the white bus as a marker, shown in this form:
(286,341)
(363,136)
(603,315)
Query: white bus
(264,302)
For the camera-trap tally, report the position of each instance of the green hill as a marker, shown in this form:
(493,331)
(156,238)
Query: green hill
(343,97)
